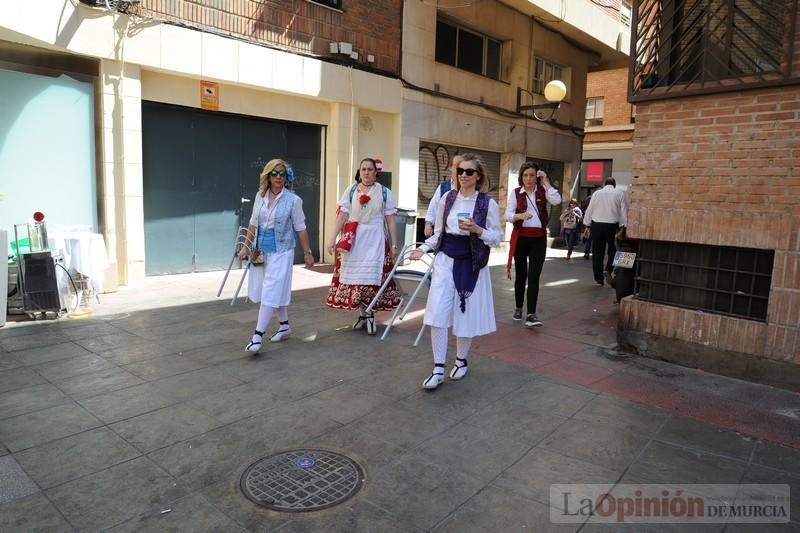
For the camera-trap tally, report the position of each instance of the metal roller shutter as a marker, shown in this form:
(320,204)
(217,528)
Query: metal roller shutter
(434,162)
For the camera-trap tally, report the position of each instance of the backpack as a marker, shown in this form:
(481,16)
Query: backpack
(355,186)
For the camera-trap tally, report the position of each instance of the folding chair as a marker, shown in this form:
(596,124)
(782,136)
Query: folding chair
(400,275)
(238,243)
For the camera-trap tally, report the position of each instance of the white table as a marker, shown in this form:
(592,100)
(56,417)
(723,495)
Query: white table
(84,252)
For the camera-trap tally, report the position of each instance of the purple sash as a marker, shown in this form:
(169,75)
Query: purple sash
(464,276)
(480,252)
(469,253)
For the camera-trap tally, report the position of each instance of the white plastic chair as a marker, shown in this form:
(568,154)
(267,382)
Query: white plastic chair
(398,276)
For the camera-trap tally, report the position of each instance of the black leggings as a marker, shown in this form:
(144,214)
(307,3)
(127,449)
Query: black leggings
(533,250)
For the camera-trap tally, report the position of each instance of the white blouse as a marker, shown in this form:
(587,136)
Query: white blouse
(389,208)
(553,198)
(492,233)
(264,215)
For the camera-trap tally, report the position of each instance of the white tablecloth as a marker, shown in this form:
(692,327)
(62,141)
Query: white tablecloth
(84,252)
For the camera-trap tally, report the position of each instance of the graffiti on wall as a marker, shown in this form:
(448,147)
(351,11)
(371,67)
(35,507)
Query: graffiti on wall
(434,167)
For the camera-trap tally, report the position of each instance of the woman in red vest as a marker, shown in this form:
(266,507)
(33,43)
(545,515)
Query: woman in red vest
(527,210)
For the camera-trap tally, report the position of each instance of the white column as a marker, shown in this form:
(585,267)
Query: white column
(122,200)
(340,156)
(408,176)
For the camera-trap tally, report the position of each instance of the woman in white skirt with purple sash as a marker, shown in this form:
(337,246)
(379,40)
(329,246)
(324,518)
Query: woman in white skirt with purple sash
(460,296)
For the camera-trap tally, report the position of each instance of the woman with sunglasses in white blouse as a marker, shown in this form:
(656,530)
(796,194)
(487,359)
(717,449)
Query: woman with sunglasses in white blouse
(277,216)
(460,296)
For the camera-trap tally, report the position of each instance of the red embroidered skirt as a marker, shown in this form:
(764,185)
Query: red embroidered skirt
(343,296)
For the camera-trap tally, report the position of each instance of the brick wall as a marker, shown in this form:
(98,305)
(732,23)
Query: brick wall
(371,26)
(722,169)
(612,85)
(610,6)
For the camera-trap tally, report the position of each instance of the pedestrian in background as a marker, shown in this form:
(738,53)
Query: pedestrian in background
(607,212)
(367,250)
(277,216)
(441,189)
(570,218)
(527,210)
(460,295)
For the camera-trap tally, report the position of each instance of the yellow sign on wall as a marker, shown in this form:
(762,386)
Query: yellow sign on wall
(209,95)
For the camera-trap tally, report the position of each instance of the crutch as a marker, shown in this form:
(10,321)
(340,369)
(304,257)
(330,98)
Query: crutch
(241,240)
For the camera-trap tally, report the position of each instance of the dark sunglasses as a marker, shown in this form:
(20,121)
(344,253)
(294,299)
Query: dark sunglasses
(468,171)
(277,173)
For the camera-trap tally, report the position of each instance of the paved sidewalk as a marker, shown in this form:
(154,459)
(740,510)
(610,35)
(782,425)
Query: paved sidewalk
(145,416)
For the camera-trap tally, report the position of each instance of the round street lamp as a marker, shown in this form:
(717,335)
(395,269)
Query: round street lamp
(555,91)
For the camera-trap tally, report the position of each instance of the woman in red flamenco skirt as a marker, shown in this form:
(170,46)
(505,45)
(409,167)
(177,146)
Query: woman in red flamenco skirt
(364,256)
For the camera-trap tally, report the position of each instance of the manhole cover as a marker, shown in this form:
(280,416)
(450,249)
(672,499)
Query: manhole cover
(302,480)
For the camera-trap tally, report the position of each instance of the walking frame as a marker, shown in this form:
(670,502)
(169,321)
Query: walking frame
(240,242)
(397,274)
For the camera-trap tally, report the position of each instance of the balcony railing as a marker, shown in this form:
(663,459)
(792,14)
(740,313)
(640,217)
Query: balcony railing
(298,26)
(684,47)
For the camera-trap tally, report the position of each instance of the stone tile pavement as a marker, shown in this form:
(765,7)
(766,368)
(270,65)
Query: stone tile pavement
(144,417)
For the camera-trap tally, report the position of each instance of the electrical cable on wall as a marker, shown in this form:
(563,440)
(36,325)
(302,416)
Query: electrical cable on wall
(506,113)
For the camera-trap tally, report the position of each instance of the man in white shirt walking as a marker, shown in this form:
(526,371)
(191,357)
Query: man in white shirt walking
(607,212)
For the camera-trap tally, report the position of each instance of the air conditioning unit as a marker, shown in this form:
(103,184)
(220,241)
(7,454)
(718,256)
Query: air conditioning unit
(346,48)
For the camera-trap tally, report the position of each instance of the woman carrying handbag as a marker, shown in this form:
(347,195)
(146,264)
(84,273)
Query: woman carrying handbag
(277,216)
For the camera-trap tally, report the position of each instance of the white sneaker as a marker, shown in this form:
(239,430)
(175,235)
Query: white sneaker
(434,380)
(359,323)
(459,370)
(371,327)
(281,335)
